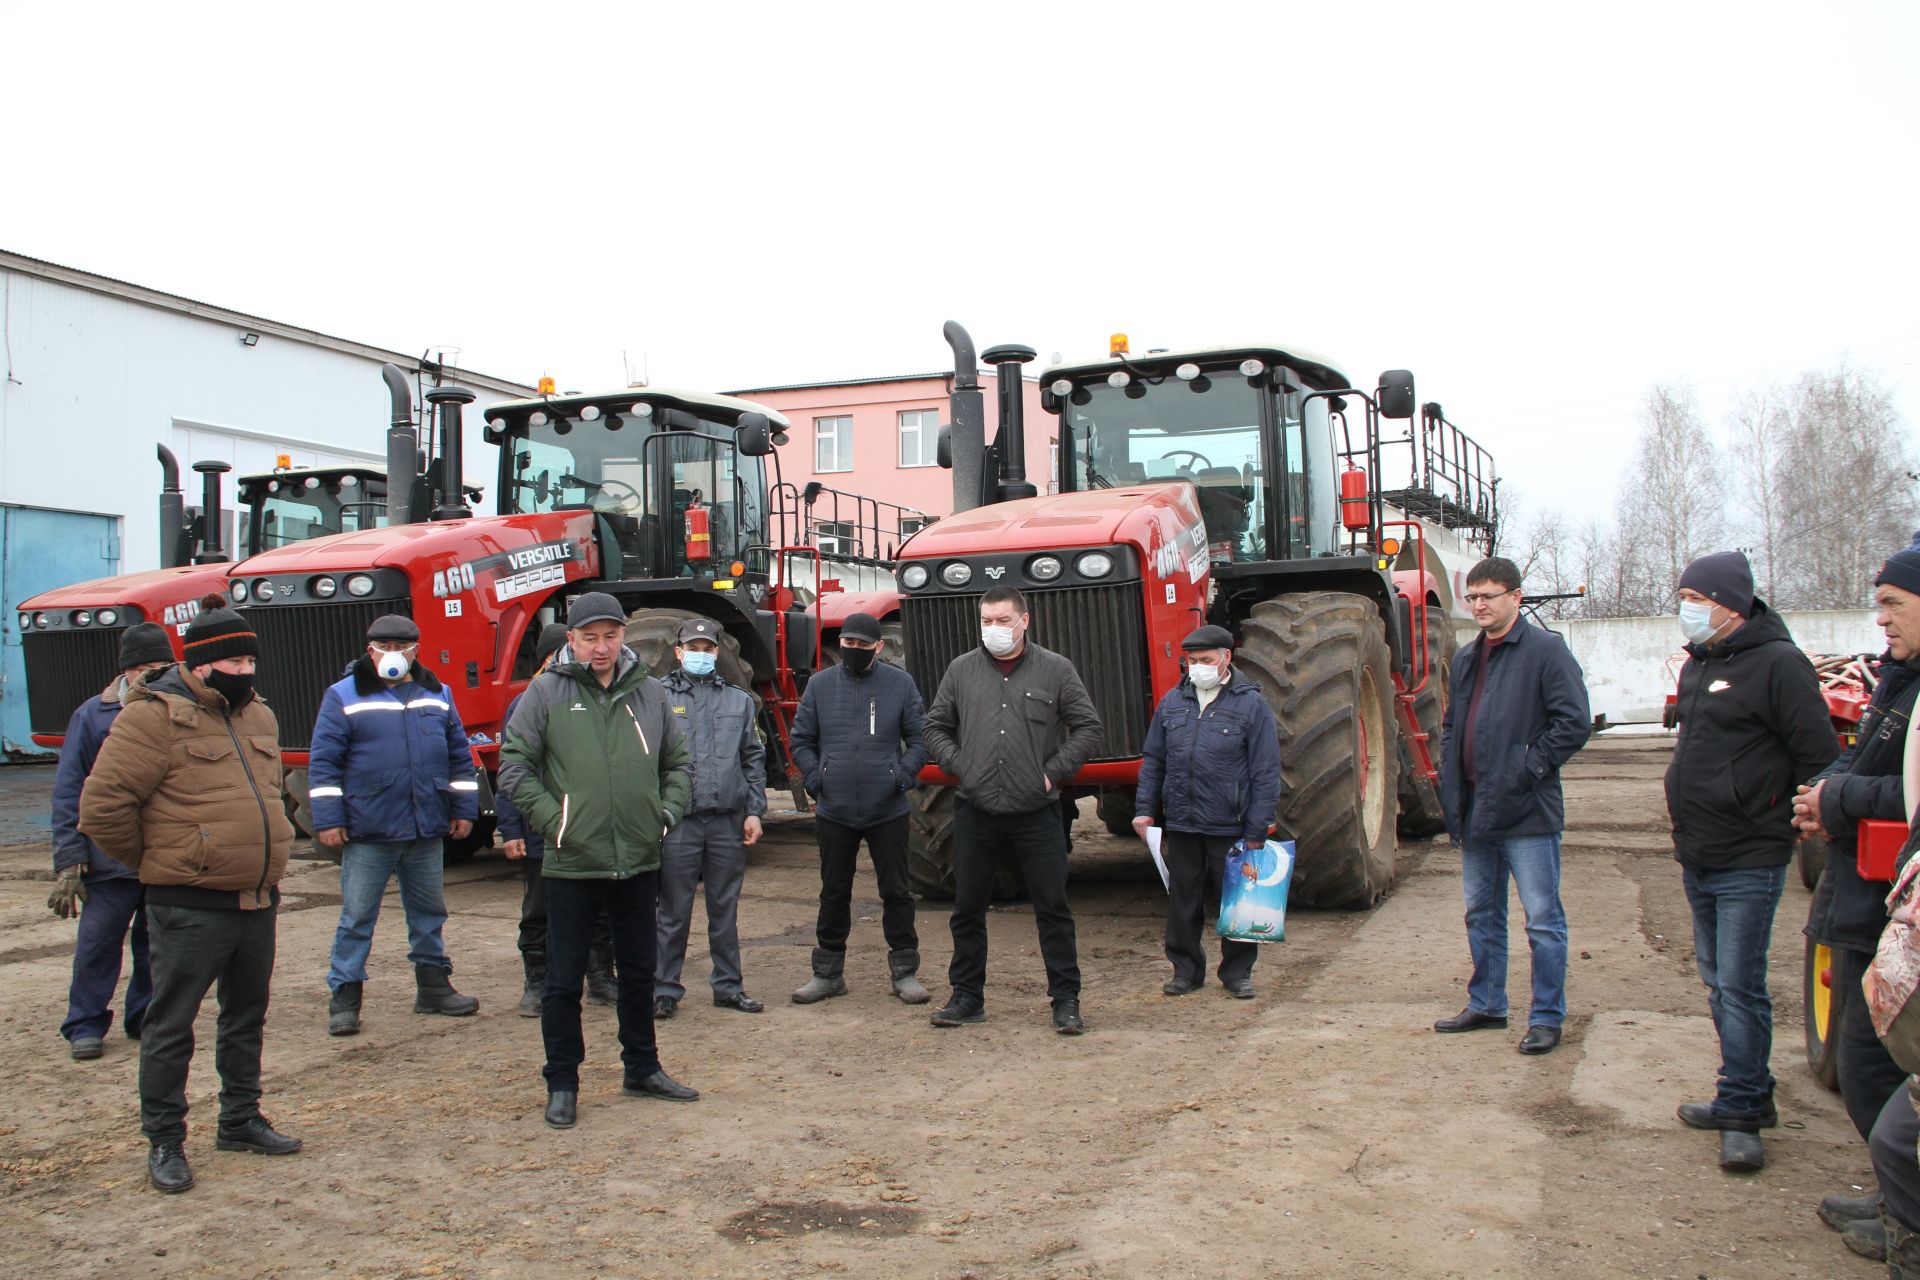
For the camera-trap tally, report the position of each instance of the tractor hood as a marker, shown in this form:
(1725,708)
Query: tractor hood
(397,546)
(152,590)
(1040,524)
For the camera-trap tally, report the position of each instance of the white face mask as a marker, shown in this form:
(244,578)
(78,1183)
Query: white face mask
(1205,675)
(1696,621)
(998,640)
(391,666)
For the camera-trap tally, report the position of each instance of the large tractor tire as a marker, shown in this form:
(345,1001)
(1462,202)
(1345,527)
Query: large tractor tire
(652,633)
(1115,809)
(1810,855)
(1321,659)
(1823,1004)
(1420,812)
(930,848)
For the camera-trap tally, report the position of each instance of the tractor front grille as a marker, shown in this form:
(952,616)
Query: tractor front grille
(64,669)
(303,649)
(1101,630)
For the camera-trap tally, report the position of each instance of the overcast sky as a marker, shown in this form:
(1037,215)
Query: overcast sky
(1539,209)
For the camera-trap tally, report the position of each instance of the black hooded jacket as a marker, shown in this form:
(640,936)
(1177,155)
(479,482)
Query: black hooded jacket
(1753,725)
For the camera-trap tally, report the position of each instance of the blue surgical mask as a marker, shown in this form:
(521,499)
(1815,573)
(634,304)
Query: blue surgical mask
(696,663)
(1696,621)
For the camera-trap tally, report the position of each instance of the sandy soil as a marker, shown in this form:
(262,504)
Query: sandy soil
(1321,1129)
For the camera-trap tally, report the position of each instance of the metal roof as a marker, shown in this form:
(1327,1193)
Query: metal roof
(1309,362)
(692,401)
(146,297)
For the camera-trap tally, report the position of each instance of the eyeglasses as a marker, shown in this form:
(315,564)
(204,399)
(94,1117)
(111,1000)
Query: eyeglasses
(1481,597)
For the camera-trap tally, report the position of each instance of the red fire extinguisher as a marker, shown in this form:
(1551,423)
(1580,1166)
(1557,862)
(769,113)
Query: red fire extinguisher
(699,543)
(1355,511)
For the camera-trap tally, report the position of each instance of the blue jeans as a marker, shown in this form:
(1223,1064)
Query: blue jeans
(1732,928)
(113,905)
(365,868)
(1534,864)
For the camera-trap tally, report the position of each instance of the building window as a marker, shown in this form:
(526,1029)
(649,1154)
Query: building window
(833,444)
(833,537)
(910,525)
(1053,465)
(919,437)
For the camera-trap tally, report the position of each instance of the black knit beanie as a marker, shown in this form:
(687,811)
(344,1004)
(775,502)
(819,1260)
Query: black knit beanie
(1902,569)
(218,632)
(552,636)
(1724,578)
(144,642)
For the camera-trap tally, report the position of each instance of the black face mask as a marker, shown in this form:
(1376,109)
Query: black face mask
(236,689)
(858,661)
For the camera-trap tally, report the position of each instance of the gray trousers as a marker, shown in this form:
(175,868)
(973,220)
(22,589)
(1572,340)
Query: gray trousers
(704,848)
(194,950)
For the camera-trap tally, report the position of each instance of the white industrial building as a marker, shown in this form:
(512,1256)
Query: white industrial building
(98,372)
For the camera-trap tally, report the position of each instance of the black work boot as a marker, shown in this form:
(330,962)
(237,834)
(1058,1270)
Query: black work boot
(343,1010)
(1866,1237)
(1741,1152)
(435,993)
(902,965)
(603,985)
(1903,1248)
(1838,1211)
(167,1166)
(531,996)
(828,980)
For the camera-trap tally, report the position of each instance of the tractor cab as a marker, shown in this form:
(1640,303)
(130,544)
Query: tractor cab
(677,478)
(285,507)
(1241,424)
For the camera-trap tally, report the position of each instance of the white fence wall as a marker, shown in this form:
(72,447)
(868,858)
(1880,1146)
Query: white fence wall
(1627,659)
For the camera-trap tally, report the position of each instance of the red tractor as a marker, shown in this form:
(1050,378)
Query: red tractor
(70,636)
(659,497)
(1244,486)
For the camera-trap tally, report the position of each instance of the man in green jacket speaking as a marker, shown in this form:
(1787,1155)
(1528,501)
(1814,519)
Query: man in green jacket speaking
(595,762)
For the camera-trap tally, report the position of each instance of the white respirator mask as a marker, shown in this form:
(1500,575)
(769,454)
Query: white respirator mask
(998,640)
(391,666)
(1696,621)
(1205,675)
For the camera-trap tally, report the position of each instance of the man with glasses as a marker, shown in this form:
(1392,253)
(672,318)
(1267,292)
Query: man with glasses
(1517,715)
(390,778)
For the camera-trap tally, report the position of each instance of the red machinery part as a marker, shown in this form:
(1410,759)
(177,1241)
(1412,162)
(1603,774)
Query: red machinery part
(1354,507)
(699,540)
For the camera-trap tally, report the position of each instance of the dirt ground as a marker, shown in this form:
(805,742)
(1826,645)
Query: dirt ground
(1321,1129)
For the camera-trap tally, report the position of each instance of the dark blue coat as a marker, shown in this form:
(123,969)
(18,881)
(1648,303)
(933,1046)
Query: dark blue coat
(1214,772)
(86,730)
(859,743)
(390,763)
(1533,718)
(513,824)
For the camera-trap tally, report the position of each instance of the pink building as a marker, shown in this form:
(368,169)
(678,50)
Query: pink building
(876,436)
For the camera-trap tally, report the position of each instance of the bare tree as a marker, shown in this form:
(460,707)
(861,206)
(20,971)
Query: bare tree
(1671,510)
(1759,434)
(1846,488)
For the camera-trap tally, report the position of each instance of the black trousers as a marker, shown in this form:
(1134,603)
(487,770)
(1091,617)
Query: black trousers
(839,855)
(230,952)
(1894,1141)
(1868,1074)
(980,840)
(533,919)
(1196,868)
(571,908)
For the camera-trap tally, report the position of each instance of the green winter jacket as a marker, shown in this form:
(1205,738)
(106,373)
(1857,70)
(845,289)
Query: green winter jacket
(600,773)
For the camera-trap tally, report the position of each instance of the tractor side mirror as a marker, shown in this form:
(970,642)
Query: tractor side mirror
(1395,394)
(943,448)
(754,435)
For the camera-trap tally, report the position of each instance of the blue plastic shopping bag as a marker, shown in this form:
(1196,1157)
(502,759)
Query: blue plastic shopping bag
(1253,897)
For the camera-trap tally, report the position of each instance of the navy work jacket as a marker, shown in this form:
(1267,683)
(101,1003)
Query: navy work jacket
(1533,717)
(1214,772)
(390,763)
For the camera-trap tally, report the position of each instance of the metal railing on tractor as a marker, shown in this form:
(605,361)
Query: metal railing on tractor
(860,529)
(1449,478)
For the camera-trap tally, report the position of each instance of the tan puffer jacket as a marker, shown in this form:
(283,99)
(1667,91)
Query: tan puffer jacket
(190,797)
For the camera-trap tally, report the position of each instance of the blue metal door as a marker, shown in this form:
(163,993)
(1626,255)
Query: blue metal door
(41,550)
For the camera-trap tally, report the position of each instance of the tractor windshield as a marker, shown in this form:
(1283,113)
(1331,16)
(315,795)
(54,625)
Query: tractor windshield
(642,480)
(1203,431)
(298,508)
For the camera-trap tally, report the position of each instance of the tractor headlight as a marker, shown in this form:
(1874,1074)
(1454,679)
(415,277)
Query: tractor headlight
(239,592)
(324,587)
(1044,568)
(26,622)
(263,591)
(41,621)
(106,617)
(82,618)
(359,585)
(914,577)
(957,574)
(1094,564)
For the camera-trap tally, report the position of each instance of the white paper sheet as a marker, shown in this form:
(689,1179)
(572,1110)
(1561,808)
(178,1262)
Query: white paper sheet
(1160,863)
